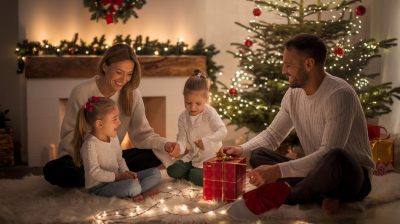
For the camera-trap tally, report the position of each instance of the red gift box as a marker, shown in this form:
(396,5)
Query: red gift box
(224,180)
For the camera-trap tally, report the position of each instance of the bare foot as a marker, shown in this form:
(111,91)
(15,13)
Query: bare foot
(138,198)
(151,192)
(331,206)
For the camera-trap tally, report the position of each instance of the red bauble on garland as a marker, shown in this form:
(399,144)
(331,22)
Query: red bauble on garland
(113,11)
(248,43)
(232,92)
(338,51)
(257,11)
(360,10)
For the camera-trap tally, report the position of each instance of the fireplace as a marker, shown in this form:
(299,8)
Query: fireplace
(48,88)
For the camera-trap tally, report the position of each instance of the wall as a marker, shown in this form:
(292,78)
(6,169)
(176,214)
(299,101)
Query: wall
(11,92)
(385,25)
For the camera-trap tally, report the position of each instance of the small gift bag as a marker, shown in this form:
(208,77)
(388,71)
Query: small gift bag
(224,178)
(383,155)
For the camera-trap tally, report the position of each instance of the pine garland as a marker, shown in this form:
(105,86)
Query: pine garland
(98,46)
(113,10)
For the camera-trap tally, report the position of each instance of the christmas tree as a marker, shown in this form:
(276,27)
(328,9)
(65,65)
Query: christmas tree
(254,96)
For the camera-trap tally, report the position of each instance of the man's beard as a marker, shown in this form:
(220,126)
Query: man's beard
(298,81)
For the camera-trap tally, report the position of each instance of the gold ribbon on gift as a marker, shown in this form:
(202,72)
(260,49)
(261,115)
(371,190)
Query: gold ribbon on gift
(382,150)
(222,157)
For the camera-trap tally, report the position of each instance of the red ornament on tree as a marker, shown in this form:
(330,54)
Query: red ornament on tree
(232,91)
(248,43)
(360,10)
(257,11)
(338,51)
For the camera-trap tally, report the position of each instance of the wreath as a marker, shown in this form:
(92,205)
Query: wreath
(113,10)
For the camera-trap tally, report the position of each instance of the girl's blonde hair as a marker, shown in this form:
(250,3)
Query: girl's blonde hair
(196,82)
(116,53)
(95,109)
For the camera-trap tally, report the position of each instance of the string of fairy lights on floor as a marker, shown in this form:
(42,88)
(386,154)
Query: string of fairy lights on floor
(160,209)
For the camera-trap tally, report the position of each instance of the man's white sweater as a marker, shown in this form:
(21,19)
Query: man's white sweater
(330,118)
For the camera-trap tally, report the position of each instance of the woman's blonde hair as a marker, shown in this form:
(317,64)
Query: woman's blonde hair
(116,53)
(95,109)
(196,82)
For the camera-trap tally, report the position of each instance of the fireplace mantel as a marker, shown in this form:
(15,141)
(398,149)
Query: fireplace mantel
(86,66)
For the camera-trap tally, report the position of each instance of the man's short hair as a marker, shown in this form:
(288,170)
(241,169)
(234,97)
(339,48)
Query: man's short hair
(310,45)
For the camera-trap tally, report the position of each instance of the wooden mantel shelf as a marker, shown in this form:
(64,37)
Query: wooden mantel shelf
(85,66)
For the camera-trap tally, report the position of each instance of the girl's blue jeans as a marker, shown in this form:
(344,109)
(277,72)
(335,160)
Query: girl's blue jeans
(148,179)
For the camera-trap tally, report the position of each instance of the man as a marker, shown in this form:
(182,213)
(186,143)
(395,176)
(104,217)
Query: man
(327,116)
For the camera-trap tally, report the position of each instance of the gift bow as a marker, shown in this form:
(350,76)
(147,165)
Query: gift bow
(221,157)
(112,3)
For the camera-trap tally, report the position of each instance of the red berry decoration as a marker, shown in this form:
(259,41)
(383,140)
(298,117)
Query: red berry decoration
(360,10)
(257,11)
(71,50)
(232,91)
(248,43)
(338,51)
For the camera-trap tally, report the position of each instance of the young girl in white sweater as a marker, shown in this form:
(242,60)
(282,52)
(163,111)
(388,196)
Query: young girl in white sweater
(96,144)
(201,131)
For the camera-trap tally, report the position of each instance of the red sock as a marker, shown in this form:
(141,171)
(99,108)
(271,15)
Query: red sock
(266,197)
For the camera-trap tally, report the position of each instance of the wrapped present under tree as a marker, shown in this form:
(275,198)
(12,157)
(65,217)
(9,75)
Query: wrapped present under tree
(383,155)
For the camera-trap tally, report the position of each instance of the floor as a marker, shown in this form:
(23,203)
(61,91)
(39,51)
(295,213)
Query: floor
(388,213)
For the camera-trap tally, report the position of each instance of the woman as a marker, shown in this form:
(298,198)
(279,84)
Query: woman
(119,77)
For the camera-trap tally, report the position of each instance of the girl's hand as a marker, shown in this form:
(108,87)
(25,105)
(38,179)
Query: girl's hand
(199,143)
(124,176)
(176,151)
(133,174)
(170,146)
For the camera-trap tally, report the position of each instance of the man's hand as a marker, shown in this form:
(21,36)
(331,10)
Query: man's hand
(264,174)
(232,150)
(199,143)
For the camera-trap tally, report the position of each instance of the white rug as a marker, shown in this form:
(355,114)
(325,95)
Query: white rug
(33,200)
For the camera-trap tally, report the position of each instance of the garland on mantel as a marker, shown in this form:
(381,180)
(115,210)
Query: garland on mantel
(141,46)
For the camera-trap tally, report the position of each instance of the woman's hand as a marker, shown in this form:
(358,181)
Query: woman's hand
(264,174)
(232,150)
(199,144)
